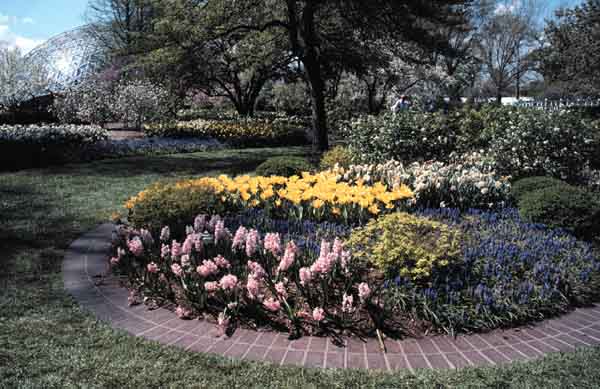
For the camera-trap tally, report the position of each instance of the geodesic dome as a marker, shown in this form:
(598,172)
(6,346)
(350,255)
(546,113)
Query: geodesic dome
(68,57)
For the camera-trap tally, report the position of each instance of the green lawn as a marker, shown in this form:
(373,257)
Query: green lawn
(47,341)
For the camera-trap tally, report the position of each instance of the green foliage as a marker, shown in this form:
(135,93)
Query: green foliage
(407,245)
(571,59)
(284,166)
(168,205)
(525,185)
(573,208)
(339,155)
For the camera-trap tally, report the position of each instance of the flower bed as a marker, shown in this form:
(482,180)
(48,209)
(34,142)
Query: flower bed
(317,197)
(467,181)
(33,146)
(504,272)
(248,278)
(239,132)
(511,272)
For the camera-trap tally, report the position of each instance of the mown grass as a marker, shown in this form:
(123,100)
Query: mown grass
(47,341)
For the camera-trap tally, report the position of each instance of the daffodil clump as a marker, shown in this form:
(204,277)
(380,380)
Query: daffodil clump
(318,196)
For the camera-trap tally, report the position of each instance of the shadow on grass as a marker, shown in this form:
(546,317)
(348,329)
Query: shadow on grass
(226,161)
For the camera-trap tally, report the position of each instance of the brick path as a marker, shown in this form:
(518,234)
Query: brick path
(86,259)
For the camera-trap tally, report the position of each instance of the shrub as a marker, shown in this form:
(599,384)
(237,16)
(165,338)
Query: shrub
(284,166)
(523,186)
(405,136)
(164,204)
(534,142)
(35,146)
(569,207)
(407,245)
(291,98)
(339,155)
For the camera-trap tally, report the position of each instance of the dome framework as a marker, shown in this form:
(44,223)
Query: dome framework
(68,57)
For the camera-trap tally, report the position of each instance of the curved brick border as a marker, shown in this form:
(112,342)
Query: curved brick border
(86,262)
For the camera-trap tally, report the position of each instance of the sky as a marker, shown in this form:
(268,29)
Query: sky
(27,23)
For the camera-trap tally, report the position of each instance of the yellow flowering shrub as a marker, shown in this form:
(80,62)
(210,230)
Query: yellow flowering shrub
(315,196)
(167,204)
(407,245)
(339,155)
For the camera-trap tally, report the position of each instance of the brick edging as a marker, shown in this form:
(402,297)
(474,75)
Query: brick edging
(86,260)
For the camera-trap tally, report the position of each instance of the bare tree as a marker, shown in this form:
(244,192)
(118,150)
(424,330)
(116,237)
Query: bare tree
(120,24)
(506,40)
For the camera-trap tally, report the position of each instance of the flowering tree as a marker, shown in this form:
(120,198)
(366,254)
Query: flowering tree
(88,102)
(140,101)
(20,80)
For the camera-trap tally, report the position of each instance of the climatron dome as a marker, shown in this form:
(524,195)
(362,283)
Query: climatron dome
(68,58)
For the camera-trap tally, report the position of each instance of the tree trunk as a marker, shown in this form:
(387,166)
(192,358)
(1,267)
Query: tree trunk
(319,113)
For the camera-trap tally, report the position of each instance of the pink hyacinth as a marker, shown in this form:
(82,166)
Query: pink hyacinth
(239,239)
(165,234)
(256,269)
(136,246)
(146,237)
(251,242)
(200,223)
(165,250)
(325,248)
(288,257)
(253,287)
(188,244)
(272,304)
(321,266)
(364,291)
(281,290)
(347,301)
(211,286)
(221,232)
(305,276)
(221,262)
(337,248)
(207,268)
(318,314)
(272,243)
(213,222)
(152,267)
(228,282)
(183,313)
(175,249)
(177,269)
